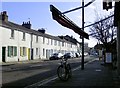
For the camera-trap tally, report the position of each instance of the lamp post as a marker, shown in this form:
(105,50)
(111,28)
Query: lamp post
(82,60)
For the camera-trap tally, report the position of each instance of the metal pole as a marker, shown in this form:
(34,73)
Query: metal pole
(82,60)
(118,48)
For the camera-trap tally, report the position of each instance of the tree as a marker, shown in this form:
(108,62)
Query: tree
(104,31)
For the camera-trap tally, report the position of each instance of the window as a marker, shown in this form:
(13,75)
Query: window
(55,50)
(51,42)
(23,51)
(23,35)
(12,51)
(43,52)
(51,51)
(43,40)
(36,38)
(48,41)
(12,33)
(55,42)
(62,43)
(65,44)
(36,51)
(59,43)
(31,37)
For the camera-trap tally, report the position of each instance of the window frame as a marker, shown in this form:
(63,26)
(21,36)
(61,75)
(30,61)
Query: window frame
(37,51)
(12,51)
(24,37)
(36,38)
(12,34)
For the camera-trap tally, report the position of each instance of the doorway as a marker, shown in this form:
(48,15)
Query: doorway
(3,54)
(32,54)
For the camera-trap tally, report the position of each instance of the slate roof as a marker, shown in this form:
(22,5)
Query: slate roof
(18,27)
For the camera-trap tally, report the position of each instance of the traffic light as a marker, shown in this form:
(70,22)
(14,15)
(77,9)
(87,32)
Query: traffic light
(66,22)
(107,4)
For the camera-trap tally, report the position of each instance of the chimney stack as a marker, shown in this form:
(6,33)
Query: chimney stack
(42,30)
(27,25)
(4,16)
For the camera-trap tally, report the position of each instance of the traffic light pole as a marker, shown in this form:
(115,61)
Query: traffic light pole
(82,60)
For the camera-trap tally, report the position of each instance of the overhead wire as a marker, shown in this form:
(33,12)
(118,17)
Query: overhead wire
(79,7)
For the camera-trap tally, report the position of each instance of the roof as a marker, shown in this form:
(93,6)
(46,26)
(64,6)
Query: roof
(18,27)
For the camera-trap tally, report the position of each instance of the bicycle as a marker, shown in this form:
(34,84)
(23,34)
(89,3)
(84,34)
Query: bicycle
(64,70)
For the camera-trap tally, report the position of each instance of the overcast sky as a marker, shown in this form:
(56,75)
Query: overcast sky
(38,12)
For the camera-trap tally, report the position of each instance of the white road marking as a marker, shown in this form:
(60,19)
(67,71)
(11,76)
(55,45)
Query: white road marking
(45,81)
(80,65)
(36,65)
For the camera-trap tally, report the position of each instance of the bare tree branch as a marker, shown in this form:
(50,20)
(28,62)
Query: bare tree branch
(103,31)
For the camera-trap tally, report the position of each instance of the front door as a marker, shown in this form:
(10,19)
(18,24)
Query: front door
(32,54)
(3,54)
(28,53)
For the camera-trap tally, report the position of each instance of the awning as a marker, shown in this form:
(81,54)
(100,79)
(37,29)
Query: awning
(66,22)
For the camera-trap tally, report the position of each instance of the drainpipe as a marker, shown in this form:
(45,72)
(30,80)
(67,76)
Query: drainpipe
(18,48)
(31,35)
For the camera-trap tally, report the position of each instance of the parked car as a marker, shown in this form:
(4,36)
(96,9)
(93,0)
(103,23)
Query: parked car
(85,53)
(56,56)
(77,54)
(68,55)
(74,55)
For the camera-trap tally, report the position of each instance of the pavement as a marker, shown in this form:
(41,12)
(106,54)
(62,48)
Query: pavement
(20,62)
(94,75)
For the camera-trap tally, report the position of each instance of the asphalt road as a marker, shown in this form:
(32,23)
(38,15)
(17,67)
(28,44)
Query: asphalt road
(23,75)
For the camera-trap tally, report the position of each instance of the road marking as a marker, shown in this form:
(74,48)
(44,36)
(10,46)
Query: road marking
(36,65)
(80,65)
(45,81)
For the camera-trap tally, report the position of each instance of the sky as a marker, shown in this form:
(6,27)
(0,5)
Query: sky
(38,13)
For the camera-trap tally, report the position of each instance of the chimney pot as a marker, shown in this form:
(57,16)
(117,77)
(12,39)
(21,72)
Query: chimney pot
(4,12)
(27,25)
(4,16)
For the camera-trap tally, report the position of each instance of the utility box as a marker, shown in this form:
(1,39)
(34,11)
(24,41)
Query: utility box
(108,57)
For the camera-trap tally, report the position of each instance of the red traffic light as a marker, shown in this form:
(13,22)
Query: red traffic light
(66,22)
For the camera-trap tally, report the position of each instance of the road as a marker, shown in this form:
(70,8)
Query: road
(30,73)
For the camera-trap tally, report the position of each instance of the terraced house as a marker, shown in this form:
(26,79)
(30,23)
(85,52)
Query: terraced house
(20,42)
